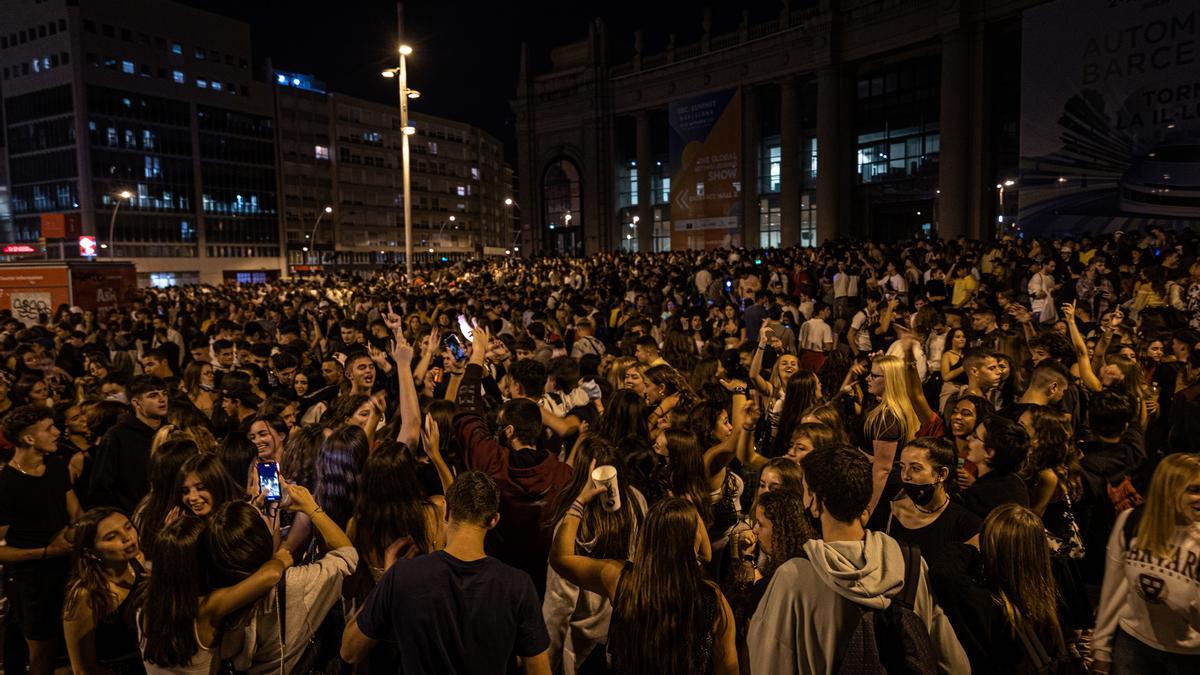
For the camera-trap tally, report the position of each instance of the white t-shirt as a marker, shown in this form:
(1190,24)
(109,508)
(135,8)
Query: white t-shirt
(815,335)
(862,338)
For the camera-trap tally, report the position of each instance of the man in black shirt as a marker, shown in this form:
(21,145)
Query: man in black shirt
(998,447)
(456,610)
(36,505)
(121,473)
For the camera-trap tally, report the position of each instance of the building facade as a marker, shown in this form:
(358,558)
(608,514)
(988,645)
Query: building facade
(854,118)
(149,99)
(344,154)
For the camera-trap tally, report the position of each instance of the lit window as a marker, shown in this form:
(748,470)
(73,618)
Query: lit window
(202,83)
(199,53)
(475,172)
(178,76)
(433,149)
(462,191)
(127,67)
(321,151)
(177,48)
(216,85)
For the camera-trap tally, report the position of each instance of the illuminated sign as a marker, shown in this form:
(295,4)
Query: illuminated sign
(87,246)
(19,248)
(299,81)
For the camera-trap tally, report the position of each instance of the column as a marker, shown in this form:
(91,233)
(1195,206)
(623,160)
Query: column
(645,192)
(751,138)
(829,165)
(952,160)
(980,197)
(789,170)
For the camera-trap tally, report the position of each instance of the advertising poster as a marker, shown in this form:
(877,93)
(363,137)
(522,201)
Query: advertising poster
(32,291)
(1110,116)
(706,189)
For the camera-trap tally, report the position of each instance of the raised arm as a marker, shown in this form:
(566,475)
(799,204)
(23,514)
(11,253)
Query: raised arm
(763,386)
(427,352)
(431,441)
(746,452)
(597,576)
(716,458)
(1086,375)
(409,408)
(301,500)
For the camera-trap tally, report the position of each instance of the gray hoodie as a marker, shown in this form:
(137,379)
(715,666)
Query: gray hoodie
(802,621)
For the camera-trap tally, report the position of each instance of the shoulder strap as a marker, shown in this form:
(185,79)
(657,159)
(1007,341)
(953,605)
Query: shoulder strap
(281,608)
(912,574)
(1038,655)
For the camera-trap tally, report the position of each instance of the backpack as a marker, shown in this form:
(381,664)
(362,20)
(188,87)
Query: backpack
(893,641)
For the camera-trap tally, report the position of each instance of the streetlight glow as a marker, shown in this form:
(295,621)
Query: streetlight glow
(508,201)
(405,50)
(1009,183)
(328,209)
(413,93)
(452,219)
(388,74)
(409,131)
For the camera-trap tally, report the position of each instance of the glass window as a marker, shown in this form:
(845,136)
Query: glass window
(216,85)
(627,185)
(200,53)
(178,76)
(201,83)
(771,165)
(770,222)
(128,68)
(177,48)
(321,151)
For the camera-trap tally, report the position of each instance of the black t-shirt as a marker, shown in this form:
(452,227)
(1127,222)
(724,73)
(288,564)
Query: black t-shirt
(995,489)
(954,526)
(34,508)
(445,615)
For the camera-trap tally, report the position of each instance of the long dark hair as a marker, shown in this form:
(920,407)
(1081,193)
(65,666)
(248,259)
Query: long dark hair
(798,398)
(87,569)
(338,467)
(152,511)
(212,474)
(624,415)
(300,454)
(442,412)
(171,600)
(390,504)
(236,543)
(602,533)
(658,617)
(685,461)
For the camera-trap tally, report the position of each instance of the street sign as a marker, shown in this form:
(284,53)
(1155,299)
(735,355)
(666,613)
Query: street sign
(87,246)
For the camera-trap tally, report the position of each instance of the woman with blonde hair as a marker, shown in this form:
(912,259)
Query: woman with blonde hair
(892,422)
(619,378)
(1148,622)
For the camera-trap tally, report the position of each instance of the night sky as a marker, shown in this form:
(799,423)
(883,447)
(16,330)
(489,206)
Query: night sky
(466,54)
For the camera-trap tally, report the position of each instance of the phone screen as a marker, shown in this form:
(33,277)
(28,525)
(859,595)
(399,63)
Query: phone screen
(268,480)
(455,347)
(464,326)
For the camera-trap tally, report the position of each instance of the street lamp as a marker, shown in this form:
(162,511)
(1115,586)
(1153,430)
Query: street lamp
(1000,188)
(401,74)
(313,236)
(122,196)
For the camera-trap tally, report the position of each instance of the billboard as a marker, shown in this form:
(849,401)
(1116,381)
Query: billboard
(706,157)
(1110,116)
(33,292)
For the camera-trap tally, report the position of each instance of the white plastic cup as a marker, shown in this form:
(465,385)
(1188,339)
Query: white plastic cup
(606,477)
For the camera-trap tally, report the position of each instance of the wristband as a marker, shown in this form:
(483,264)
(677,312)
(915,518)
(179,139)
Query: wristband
(738,390)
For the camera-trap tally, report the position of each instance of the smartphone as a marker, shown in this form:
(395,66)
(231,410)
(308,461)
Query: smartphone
(464,326)
(268,481)
(728,285)
(456,349)
(961,462)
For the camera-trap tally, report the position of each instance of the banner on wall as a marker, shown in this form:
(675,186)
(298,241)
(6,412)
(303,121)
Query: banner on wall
(706,156)
(1110,116)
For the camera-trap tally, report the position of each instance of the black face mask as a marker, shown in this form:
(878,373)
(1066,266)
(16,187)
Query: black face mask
(921,494)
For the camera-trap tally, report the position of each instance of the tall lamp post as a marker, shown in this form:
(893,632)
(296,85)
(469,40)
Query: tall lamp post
(122,196)
(401,74)
(312,237)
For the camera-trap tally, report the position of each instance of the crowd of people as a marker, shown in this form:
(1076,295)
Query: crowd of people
(915,457)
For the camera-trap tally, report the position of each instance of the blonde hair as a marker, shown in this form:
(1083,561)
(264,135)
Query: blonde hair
(895,404)
(1161,516)
(621,365)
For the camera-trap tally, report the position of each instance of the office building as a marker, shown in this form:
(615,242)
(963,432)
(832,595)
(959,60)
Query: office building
(343,153)
(828,118)
(145,98)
